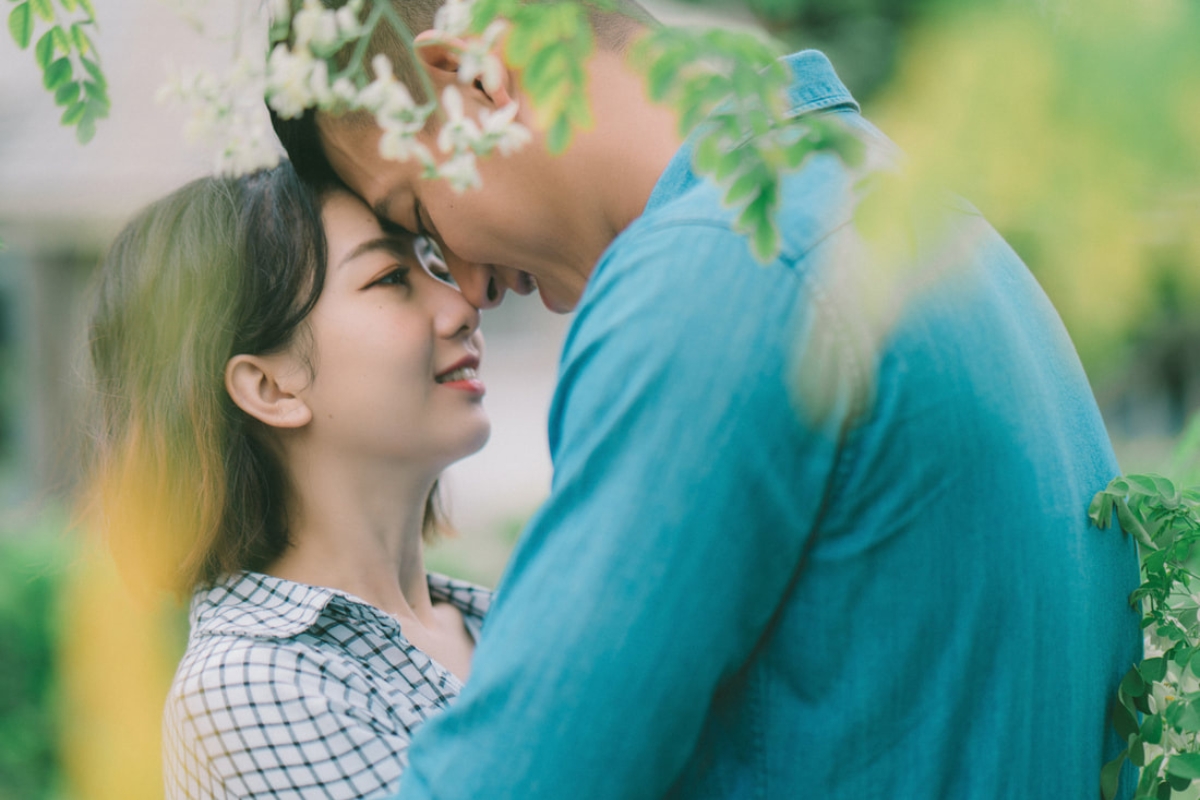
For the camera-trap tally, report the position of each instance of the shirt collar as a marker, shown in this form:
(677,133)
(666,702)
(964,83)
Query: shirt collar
(253,604)
(815,87)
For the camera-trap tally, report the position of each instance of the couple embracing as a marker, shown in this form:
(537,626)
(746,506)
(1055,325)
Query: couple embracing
(731,592)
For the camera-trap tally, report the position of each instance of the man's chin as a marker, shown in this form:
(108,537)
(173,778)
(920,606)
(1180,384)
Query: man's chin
(556,304)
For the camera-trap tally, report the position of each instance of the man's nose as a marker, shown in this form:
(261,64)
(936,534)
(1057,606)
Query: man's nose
(478,282)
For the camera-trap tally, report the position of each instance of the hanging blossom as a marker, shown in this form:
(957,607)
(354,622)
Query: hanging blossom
(226,110)
(397,114)
(478,58)
(453,18)
(302,75)
(461,139)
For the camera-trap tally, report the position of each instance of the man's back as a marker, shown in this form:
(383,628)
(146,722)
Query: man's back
(791,552)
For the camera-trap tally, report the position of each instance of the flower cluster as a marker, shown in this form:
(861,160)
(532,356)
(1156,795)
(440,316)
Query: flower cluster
(226,111)
(301,74)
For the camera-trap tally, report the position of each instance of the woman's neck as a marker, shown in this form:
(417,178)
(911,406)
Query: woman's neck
(357,528)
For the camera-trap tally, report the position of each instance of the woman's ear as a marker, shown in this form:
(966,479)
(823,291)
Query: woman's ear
(266,388)
(442,59)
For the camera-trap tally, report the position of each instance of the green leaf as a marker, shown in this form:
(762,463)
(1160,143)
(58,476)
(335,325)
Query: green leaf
(1124,722)
(43,51)
(88,8)
(82,41)
(1141,484)
(1110,776)
(94,70)
(69,5)
(1184,765)
(1164,486)
(1153,669)
(73,114)
(1149,777)
(1132,525)
(86,129)
(1174,782)
(96,92)
(1132,684)
(559,136)
(1188,718)
(67,93)
(20,25)
(57,74)
(746,184)
(43,9)
(707,154)
(1137,753)
(1152,729)
(61,39)
(1100,511)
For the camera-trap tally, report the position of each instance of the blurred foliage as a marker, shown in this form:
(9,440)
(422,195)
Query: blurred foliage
(84,668)
(1158,708)
(1077,137)
(862,37)
(1074,127)
(33,560)
(66,56)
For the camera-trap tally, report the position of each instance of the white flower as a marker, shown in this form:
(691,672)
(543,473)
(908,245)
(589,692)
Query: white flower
(400,145)
(344,89)
(288,89)
(385,96)
(454,17)
(318,84)
(458,133)
(460,172)
(347,22)
(314,26)
(501,130)
(247,149)
(279,10)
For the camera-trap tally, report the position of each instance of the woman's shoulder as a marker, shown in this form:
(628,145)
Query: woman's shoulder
(471,599)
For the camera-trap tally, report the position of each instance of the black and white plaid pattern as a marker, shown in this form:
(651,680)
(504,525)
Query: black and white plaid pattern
(295,691)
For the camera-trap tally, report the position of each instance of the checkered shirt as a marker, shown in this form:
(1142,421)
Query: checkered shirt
(295,691)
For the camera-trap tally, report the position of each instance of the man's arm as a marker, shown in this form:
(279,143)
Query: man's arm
(685,488)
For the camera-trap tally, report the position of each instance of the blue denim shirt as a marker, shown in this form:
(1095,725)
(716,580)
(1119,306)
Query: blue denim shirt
(883,585)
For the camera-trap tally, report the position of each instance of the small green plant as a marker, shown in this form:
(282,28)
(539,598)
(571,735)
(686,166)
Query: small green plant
(68,59)
(1158,708)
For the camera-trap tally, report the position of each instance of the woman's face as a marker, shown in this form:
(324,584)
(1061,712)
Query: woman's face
(394,349)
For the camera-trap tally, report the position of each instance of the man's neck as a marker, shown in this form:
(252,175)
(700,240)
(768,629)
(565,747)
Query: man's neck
(626,153)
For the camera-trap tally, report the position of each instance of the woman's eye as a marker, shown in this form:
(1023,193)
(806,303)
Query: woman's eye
(397,277)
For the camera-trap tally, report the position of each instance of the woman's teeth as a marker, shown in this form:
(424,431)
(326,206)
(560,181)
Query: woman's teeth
(464,374)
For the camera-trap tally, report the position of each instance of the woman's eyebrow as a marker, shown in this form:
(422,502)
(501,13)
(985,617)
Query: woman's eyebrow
(389,244)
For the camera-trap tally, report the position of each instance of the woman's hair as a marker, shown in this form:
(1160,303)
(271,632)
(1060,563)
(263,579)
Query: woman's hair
(184,484)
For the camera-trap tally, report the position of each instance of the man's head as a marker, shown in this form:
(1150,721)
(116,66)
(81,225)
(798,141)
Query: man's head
(535,215)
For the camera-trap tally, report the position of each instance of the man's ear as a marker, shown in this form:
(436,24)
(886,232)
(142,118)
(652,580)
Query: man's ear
(266,388)
(441,58)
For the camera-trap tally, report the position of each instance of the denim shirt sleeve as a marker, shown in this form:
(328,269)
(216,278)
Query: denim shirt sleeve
(638,588)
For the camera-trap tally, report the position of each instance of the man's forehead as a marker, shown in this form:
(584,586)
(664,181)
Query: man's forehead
(352,149)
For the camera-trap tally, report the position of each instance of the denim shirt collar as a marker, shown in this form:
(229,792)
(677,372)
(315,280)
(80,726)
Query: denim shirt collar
(815,87)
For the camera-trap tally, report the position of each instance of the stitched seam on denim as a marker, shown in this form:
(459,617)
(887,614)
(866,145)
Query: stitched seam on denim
(829,102)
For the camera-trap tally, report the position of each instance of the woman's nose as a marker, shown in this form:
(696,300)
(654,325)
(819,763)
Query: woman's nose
(455,316)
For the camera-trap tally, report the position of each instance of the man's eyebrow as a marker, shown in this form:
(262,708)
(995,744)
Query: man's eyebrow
(389,244)
(382,207)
